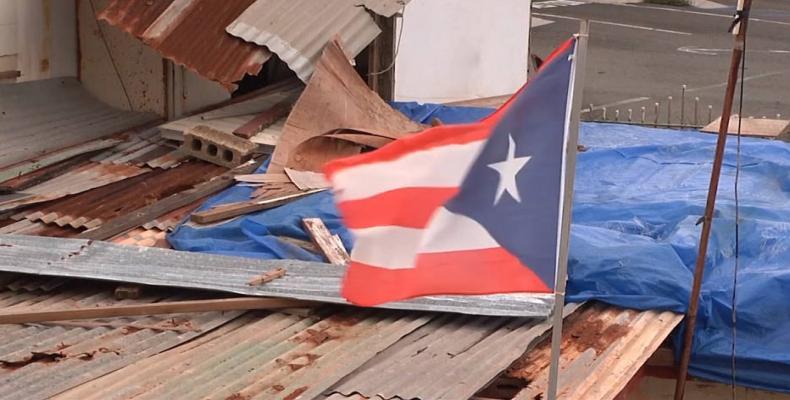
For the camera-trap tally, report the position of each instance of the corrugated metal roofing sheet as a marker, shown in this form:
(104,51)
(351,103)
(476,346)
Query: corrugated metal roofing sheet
(39,117)
(603,347)
(86,177)
(191,33)
(279,356)
(451,357)
(92,208)
(297,30)
(143,237)
(151,266)
(385,8)
(25,227)
(38,361)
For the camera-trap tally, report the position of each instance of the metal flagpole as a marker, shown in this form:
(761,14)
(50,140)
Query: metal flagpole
(574,103)
(738,29)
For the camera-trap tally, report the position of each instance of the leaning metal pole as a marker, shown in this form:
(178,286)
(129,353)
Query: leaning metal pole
(739,30)
(575,102)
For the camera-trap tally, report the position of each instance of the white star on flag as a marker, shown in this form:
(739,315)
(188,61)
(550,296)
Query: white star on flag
(508,169)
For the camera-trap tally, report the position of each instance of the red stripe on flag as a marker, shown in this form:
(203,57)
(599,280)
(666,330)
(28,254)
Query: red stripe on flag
(408,207)
(467,272)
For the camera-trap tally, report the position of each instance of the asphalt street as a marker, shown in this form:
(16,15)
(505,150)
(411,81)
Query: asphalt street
(640,54)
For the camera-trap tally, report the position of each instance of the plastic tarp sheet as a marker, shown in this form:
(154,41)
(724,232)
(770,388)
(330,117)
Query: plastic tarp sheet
(639,193)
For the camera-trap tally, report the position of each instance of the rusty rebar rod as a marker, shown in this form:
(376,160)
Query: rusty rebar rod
(739,30)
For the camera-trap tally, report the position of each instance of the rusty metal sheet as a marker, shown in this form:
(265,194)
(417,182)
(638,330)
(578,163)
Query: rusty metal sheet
(92,208)
(169,221)
(297,30)
(38,361)
(276,356)
(603,347)
(25,227)
(84,178)
(191,33)
(143,237)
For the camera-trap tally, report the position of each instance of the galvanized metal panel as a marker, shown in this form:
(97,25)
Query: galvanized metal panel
(297,30)
(70,354)
(151,266)
(452,357)
(39,117)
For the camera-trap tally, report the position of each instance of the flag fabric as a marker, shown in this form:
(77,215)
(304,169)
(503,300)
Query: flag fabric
(462,209)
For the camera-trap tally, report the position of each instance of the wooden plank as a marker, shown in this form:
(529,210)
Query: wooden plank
(267,277)
(161,207)
(263,120)
(263,178)
(231,210)
(129,310)
(330,245)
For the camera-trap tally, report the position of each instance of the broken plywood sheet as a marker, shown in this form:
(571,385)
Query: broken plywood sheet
(336,98)
(762,127)
(296,30)
(306,180)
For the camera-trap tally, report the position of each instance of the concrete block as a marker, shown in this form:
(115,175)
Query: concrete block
(217,147)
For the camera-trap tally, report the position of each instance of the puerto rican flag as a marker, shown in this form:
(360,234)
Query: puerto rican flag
(462,209)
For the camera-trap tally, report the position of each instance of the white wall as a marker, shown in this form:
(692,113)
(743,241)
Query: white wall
(462,49)
(38,38)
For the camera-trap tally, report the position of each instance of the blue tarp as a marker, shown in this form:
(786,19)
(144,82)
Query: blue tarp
(639,193)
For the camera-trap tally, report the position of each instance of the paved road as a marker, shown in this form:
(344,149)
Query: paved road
(640,53)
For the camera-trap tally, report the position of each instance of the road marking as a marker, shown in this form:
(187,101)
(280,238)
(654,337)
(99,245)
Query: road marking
(716,52)
(748,78)
(706,4)
(751,19)
(538,22)
(617,103)
(556,3)
(644,28)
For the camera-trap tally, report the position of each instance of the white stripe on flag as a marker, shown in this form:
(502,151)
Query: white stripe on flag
(396,247)
(391,247)
(447,231)
(439,167)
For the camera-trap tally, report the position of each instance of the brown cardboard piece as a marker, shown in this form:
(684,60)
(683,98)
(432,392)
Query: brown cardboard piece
(335,98)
